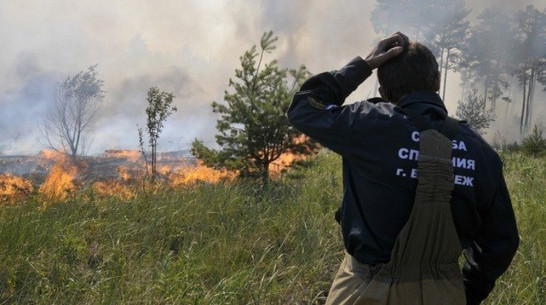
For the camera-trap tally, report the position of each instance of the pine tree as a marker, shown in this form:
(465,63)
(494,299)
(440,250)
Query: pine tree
(472,109)
(531,66)
(253,128)
(485,60)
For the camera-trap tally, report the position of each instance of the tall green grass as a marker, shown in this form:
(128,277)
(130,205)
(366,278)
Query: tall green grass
(525,280)
(220,244)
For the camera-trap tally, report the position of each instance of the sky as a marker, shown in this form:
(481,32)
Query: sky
(188,47)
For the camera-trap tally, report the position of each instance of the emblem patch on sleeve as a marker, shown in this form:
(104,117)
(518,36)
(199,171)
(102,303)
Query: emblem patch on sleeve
(316,104)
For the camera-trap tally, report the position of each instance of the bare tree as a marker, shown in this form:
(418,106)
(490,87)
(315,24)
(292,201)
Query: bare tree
(73,109)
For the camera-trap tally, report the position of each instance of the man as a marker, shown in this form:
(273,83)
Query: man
(419,186)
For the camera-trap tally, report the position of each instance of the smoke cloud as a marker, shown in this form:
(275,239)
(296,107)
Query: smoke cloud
(189,48)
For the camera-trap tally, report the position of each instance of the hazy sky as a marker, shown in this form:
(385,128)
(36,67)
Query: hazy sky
(188,47)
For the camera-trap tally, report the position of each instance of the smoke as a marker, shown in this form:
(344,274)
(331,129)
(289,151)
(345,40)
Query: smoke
(24,104)
(189,48)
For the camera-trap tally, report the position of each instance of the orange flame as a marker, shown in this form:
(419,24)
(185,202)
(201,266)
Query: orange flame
(165,169)
(282,164)
(60,181)
(13,187)
(113,188)
(50,154)
(124,173)
(190,175)
(131,155)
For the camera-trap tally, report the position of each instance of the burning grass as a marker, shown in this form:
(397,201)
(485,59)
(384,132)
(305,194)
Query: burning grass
(129,154)
(60,181)
(282,164)
(118,173)
(13,188)
(50,154)
(200,173)
(114,188)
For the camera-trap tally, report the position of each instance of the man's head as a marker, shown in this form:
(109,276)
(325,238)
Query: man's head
(415,69)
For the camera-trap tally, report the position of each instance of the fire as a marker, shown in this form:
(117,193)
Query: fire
(130,155)
(283,163)
(132,173)
(125,173)
(50,154)
(166,169)
(60,181)
(13,187)
(114,188)
(190,175)
(302,138)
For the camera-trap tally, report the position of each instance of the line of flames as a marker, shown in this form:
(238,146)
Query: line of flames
(62,180)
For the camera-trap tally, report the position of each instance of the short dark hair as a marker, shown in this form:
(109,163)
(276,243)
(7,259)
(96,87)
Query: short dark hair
(414,70)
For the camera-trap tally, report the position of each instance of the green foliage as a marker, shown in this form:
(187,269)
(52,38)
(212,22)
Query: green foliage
(159,109)
(524,282)
(222,244)
(473,110)
(253,128)
(534,144)
(84,86)
(501,144)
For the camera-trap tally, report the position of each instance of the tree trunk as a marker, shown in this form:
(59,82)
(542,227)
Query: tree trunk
(445,76)
(530,94)
(154,161)
(485,91)
(441,60)
(265,173)
(523,102)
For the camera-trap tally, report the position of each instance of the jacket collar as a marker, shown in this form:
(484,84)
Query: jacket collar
(423,101)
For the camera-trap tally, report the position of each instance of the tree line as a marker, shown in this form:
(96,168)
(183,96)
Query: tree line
(503,51)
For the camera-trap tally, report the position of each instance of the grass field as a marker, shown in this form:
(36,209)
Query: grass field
(220,244)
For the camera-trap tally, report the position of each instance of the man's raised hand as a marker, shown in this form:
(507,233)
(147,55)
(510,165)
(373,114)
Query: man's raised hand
(387,48)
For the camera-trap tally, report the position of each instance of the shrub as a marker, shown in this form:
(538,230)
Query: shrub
(534,144)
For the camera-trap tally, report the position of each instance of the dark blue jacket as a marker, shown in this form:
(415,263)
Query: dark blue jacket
(379,148)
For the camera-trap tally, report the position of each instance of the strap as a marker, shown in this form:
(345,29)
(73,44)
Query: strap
(449,126)
(417,119)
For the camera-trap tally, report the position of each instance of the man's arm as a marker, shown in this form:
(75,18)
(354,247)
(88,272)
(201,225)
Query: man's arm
(493,249)
(316,109)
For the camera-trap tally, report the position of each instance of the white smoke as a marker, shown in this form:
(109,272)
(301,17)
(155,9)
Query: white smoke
(189,48)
